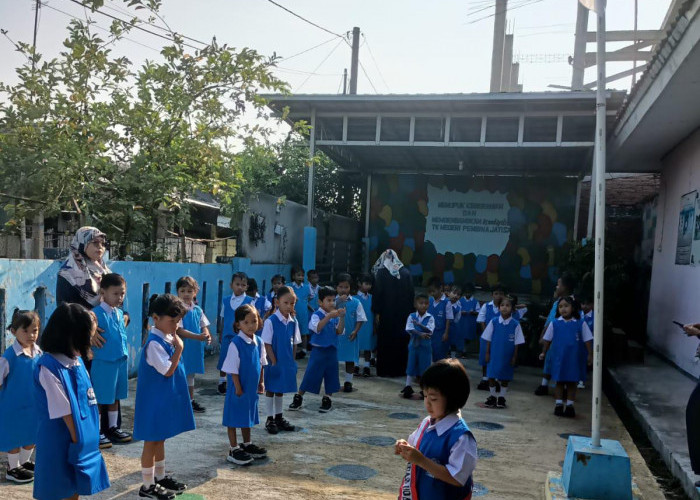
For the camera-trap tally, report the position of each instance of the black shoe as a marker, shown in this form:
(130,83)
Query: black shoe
(501,402)
(254,451)
(221,388)
(197,408)
(169,483)
(559,410)
(300,355)
(239,457)
(569,411)
(491,402)
(156,491)
(116,435)
(28,466)
(347,387)
(697,484)
(271,426)
(542,390)
(366,372)
(356,371)
(483,385)
(283,424)
(19,475)
(297,402)
(326,405)
(105,442)
(407,392)
(372,362)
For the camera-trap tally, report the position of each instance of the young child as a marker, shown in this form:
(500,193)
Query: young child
(587,313)
(503,335)
(420,326)
(162,409)
(348,345)
(441,453)
(195,322)
(366,338)
(456,339)
(486,314)
(302,291)
(313,278)
(108,371)
(239,285)
(276,282)
(281,337)
(325,325)
(18,409)
(243,364)
(68,458)
(262,305)
(469,309)
(443,315)
(563,338)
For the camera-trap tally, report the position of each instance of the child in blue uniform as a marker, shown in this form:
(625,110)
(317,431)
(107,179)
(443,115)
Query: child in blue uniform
(239,285)
(456,336)
(420,326)
(68,458)
(261,304)
(162,409)
(243,364)
(503,335)
(276,282)
(587,316)
(348,344)
(302,291)
(18,418)
(563,338)
(313,278)
(441,453)
(196,334)
(366,336)
(281,337)
(325,324)
(469,308)
(443,315)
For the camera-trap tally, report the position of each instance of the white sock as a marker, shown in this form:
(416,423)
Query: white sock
(159,470)
(190,380)
(409,380)
(147,475)
(559,402)
(504,390)
(25,455)
(485,378)
(222,380)
(278,405)
(13,461)
(248,443)
(365,363)
(348,377)
(492,390)
(544,382)
(112,417)
(569,402)
(270,405)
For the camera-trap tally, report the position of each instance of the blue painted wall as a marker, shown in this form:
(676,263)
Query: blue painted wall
(29,283)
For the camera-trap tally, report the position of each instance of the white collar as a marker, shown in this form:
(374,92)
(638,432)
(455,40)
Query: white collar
(294,284)
(322,312)
(443,297)
(589,314)
(65,360)
(257,296)
(281,317)
(421,318)
(445,424)
(363,295)
(246,339)
(238,297)
(108,309)
(566,320)
(32,352)
(504,321)
(168,337)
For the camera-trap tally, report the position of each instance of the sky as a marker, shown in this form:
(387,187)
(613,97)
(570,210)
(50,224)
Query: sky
(407,46)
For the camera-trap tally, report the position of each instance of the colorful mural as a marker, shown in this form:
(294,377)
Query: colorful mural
(540,217)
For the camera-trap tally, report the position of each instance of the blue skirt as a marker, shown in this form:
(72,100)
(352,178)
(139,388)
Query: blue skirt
(225,341)
(281,378)
(499,367)
(439,347)
(240,411)
(348,350)
(482,352)
(193,356)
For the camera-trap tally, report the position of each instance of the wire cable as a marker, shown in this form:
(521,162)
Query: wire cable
(304,19)
(367,76)
(321,63)
(369,49)
(526,3)
(307,50)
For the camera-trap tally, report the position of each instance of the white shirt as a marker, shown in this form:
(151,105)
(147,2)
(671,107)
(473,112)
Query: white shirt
(360,315)
(411,327)
(268,304)
(315,320)
(267,331)
(56,397)
(481,318)
(463,453)
(586,334)
(233,361)
(203,322)
(236,301)
(156,356)
(364,295)
(449,312)
(488,331)
(32,352)
(108,309)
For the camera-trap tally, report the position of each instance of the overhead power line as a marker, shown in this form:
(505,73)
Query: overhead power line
(369,49)
(307,50)
(320,64)
(304,19)
(525,3)
(367,76)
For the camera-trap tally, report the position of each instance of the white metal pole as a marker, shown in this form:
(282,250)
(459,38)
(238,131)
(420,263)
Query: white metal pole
(600,226)
(312,153)
(591,196)
(577,208)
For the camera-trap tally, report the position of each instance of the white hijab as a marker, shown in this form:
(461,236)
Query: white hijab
(390,261)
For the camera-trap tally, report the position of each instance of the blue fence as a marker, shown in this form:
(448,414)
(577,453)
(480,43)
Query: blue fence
(31,284)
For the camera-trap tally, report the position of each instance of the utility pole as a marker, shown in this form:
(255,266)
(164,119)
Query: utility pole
(499,34)
(345,81)
(578,62)
(354,59)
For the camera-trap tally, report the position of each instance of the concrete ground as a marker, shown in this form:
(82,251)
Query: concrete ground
(514,465)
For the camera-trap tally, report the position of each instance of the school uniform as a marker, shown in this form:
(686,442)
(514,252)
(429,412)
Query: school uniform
(313,296)
(566,337)
(504,335)
(583,351)
(448,442)
(301,307)
(262,305)
(245,357)
(365,337)
(282,334)
(486,314)
(193,352)
(323,361)
(18,412)
(64,468)
(419,349)
(467,321)
(108,371)
(163,408)
(349,350)
(228,313)
(456,338)
(442,313)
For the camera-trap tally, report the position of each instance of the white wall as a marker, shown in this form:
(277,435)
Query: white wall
(675,289)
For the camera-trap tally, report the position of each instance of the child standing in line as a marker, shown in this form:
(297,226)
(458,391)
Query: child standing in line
(68,458)
(420,326)
(348,345)
(469,310)
(262,305)
(239,285)
(503,335)
(162,407)
(302,291)
(441,453)
(563,338)
(366,338)
(196,323)
(281,337)
(18,409)
(443,314)
(587,313)
(276,282)
(326,324)
(313,277)
(244,361)
(486,314)
(456,338)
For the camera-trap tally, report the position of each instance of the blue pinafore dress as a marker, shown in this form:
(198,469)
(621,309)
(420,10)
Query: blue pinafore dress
(282,377)
(502,350)
(566,348)
(193,352)
(18,412)
(227,333)
(242,411)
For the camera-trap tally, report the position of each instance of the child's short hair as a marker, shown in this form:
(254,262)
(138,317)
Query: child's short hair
(312,272)
(575,305)
(434,282)
(22,318)
(187,281)
(468,287)
(166,304)
(499,287)
(240,275)
(284,290)
(586,298)
(242,312)
(342,278)
(325,291)
(277,277)
(568,282)
(457,288)
(68,331)
(365,278)
(296,270)
(252,285)
(421,296)
(111,279)
(450,379)
(511,298)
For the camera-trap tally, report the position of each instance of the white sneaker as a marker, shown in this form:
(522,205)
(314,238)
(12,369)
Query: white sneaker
(581,385)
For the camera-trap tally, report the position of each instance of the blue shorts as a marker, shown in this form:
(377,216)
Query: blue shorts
(419,359)
(322,367)
(110,380)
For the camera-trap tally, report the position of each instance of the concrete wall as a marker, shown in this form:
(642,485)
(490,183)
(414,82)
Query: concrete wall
(31,284)
(675,289)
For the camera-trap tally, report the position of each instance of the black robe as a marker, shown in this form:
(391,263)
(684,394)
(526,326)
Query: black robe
(692,422)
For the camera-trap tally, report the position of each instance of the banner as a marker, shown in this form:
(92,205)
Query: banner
(686,228)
